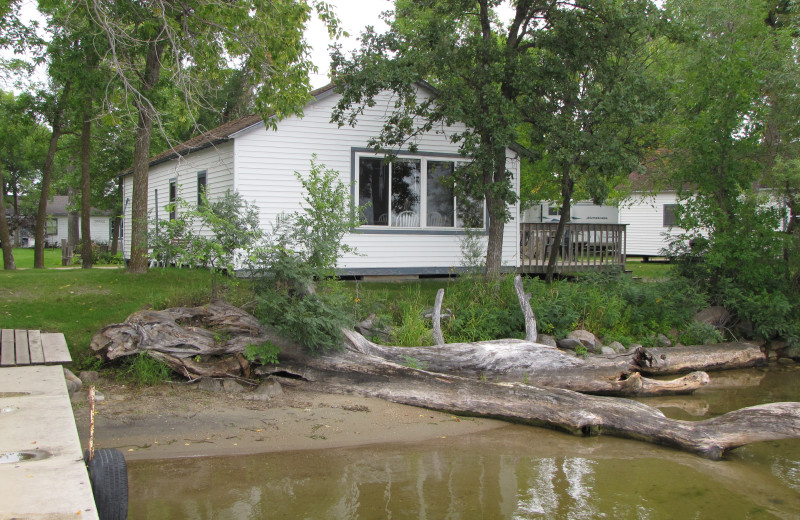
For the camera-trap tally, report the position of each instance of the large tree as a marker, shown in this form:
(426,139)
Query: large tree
(160,42)
(560,69)
(734,133)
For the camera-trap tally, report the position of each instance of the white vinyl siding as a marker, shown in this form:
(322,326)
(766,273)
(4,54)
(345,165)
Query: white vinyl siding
(267,159)
(217,161)
(98,227)
(644,214)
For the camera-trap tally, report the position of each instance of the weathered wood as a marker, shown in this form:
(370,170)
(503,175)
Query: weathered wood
(216,329)
(438,337)
(354,372)
(23,357)
(525,303)
(725,356)
(54,346)
(7,348)
(35,347)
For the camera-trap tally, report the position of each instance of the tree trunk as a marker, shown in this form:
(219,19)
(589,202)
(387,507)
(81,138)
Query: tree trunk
(86,193)
(73,219)
(15,199)
(141,158)
(5,236)
(496,207)
(567,185)
(47,173)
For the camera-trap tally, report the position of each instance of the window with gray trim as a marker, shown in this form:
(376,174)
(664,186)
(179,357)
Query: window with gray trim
(413,192)
(669,215)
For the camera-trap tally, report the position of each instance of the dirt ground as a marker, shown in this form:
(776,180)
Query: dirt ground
(182,420)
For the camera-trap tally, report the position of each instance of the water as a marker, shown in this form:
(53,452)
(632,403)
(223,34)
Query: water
(515,472)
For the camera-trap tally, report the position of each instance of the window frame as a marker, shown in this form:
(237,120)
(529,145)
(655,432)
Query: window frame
(423,227)
(668,215)
(173,198)
(51,226)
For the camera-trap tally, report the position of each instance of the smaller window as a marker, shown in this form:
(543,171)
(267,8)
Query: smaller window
(201,187)
(553,211)
(669,215)
(51,226)
(173,192)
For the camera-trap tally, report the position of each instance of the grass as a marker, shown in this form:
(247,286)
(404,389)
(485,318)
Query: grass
(80,302)
(648,270)
(23,258)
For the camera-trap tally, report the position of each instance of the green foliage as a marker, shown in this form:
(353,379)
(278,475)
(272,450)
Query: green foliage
(699,333)
(210,235)
(264,353)
(145,370)
(305,247)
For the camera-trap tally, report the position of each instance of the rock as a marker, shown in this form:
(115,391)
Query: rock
(98,397)
(743,329)
(89,376)
(74,384)
(793,352)
(607,350)
(267,390)
(231,386)
(634,346)
(568,344)
(544,339)
(587,339)
(210,385)
(663,341)
(716,316)
(786,362)
(617,346)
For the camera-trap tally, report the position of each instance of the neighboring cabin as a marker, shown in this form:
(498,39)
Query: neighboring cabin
(57,225)
(413,223)
(649,219)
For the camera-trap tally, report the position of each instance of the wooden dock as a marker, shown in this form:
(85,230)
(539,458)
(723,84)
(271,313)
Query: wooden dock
(585,247)
(42,472)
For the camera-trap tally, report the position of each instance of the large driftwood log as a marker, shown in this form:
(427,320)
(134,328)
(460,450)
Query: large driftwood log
(674,360)
(209,340)
(356,372)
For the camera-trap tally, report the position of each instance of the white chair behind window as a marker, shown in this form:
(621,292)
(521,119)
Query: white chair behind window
(435,219)
(407,219)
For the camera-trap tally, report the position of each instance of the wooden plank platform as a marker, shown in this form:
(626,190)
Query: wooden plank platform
(20,347)
(42,473)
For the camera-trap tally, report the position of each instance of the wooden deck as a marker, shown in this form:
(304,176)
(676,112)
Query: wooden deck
(19,347)
(42,473)
(585,247)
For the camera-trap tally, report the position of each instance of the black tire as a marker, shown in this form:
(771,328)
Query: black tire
(109,476)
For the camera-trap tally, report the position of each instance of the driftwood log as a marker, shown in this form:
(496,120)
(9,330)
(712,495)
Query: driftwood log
(209,341)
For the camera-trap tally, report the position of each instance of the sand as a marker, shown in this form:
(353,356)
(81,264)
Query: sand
(181,420)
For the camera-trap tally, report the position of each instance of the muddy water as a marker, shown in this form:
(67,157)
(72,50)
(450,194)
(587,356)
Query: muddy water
(516,472)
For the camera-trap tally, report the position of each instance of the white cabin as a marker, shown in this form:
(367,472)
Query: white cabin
(414,225)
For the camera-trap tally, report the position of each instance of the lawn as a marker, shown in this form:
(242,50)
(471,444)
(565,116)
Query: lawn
(648,270)
(79,302)
(23,258)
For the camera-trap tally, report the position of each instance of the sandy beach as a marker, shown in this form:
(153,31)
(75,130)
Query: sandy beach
(182,420)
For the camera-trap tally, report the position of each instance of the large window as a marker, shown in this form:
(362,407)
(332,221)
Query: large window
(413,192)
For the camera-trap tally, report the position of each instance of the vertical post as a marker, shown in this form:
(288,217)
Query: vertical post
(438,337)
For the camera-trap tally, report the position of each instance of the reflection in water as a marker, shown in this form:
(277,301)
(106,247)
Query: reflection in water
(516,472)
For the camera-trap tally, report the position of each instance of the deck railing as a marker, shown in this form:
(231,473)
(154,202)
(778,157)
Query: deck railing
(584,247)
